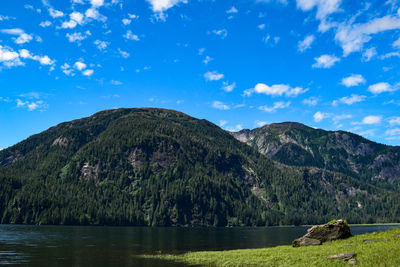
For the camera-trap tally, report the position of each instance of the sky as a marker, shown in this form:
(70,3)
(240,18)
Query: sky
(330,64)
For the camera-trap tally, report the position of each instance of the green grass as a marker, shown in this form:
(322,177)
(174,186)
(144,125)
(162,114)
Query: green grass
(385,252)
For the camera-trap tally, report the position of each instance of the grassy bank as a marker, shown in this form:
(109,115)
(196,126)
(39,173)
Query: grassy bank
(383,250)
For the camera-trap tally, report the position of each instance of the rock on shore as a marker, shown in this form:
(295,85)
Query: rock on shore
(319,234)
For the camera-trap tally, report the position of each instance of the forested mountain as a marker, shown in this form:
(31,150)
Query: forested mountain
(161,167)
(299,145)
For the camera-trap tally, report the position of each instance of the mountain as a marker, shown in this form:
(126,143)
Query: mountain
(161,167)
(299,145)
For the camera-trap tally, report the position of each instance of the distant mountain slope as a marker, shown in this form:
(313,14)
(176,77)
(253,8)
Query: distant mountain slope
(162,167)
(296,144)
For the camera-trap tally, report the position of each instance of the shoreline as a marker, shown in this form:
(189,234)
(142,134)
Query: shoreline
(184,227)
(371,249)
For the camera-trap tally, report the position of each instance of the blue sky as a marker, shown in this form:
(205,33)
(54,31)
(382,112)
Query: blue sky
(331,64)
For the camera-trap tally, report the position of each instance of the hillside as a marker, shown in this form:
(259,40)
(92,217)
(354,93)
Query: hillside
(161,167)
(299,145)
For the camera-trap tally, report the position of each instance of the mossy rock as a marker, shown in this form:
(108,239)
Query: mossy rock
(333,230)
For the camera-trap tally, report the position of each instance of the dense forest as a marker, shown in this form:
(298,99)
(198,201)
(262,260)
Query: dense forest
(156,167)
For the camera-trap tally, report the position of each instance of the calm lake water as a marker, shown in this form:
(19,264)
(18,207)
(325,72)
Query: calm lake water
(122,246)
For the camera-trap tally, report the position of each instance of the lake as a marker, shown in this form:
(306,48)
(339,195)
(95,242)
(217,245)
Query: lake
(122,246)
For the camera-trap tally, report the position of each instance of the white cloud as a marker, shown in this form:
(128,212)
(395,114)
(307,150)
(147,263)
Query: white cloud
(25,53)
(396,43)
(67,70)
(31,106)
(276,90)
(232,10)
(34,105)
(394,121)
(88,72)
(43,60)
(370,132)
(260,123)
(213,76)
(353,80)
(68,24)
(236,128)
(389,55)
(22,36)
(311,101)
(45,24)
(372,120)
(7,54)
(306,43)
(221,33)
(55,13)
(77,16)
(228,87)
(222,123)
(337,118)
(133,16)
(319,116)
(261,26)
(80,65)
(93,13)
(207,59)
(123,53)
(97,3)
(75,19)
(381,88)
(349,100)
(325,61)
(114,82)
(160,6)
(130,36)
(9,58)
(352,37)
(126,21)
(393,132)
(324,9)
(266,38)
(276,106)
(220,105)
(369,54)
(4,18)
(77,37)
(101,45)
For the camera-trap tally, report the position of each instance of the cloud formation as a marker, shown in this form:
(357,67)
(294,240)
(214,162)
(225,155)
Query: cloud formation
(213,76)
(371,119)
(276,90)
(220,105)
(353,80)
(325,61)
(306,43)
(275,107)
(162,5)
(349,100)
(22,36)
(382,87)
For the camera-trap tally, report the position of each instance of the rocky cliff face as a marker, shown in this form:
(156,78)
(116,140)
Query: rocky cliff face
(296,144)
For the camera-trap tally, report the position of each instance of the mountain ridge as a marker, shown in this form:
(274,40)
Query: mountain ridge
(149,166)
(299,145)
